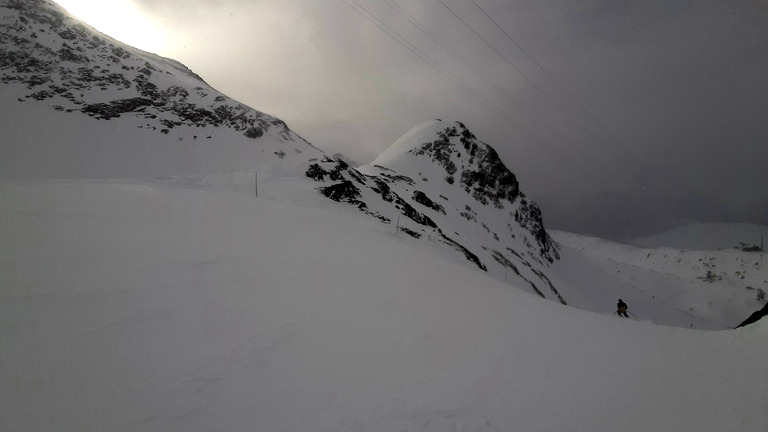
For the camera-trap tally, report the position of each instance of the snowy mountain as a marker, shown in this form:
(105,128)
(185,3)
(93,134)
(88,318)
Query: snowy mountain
(439,183)
(82,105)
(87,106)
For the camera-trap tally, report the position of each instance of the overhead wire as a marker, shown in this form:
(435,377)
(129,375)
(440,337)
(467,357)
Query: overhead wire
(424,29)
(397,37)
(645,175)
(642,190)
(568,93)
(496,87)
(524,75)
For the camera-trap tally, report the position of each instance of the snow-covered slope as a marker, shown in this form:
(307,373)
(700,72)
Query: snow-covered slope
(439,183)
(678,287)
(78,104)
(135,306)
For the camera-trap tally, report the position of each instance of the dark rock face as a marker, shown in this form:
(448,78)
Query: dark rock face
(421,198)
(344,192)
(529,216)
(475,169)
(378,188)
(113,109)
(414,215)
(411,232)
(467,253)
(84,65)
(755,317)
(484,175)
(318,173)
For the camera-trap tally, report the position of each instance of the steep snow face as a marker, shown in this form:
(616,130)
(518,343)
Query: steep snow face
(440,183)
(144,114)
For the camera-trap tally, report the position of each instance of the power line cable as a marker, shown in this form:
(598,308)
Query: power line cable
(527,78)
(397,37)
(394,35)
(640,189)
(561,87)
(645,175)
(503,91)
(424,57)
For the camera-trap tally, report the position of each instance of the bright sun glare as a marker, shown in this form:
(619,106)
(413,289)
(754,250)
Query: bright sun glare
(120,19)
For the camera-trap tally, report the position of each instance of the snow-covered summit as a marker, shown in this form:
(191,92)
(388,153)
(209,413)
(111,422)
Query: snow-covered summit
(439,183)
(457,156)
(81,104)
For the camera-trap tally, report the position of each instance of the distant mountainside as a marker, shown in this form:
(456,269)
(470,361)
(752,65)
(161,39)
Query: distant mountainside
(707,236)
(78,104)
(705,289)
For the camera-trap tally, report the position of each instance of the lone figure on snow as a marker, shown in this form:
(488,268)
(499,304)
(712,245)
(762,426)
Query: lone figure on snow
(622,308)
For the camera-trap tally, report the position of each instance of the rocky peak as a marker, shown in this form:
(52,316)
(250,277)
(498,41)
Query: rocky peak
(477,166)
(470,165)
(440,183)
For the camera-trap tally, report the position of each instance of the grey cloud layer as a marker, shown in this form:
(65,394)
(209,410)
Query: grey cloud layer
(678,88)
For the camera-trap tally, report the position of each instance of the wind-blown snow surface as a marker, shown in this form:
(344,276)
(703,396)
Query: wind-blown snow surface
(129,306)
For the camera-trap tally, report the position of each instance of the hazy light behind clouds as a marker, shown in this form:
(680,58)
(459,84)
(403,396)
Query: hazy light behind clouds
(655,107)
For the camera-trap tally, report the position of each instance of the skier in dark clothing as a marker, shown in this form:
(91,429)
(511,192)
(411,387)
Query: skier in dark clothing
(622,308)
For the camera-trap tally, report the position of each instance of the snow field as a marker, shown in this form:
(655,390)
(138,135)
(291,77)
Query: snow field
(151,307)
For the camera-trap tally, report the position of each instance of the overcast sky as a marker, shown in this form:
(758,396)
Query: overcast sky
(613,109)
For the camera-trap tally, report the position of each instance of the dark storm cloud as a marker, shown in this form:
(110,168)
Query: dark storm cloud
(645,109)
